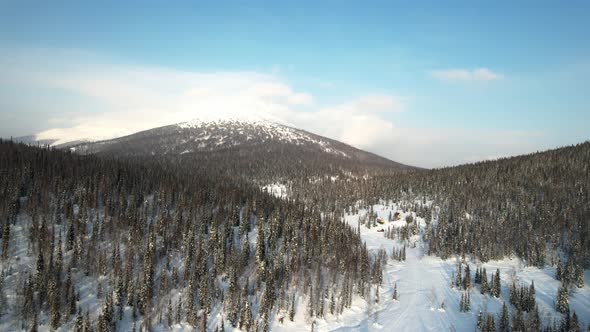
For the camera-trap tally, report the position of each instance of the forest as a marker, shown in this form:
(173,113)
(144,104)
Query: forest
(117,243)
(155,247)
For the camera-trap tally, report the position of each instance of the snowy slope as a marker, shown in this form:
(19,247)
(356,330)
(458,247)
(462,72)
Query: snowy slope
(235,131)
(248,148)
(426,300)
(201,135)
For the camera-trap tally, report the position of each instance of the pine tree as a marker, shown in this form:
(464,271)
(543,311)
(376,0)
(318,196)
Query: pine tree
(490,325)
(54,304)
(376,295)
(245,251)
(467,278)
(260,249)
(395,291)
(5,240)
(496,284)
(518,321)
(531,296)
(579,276)
(332,303)
(533,320)
(246,316)
(484,281)
(34,324)
(566,322)
(204,322)
(504,319)
(169,320)
(79,323)
(87,324)
(459,280)
(292,309)
(2,295)
(562,302)
(178,317)
(404,253)
(559,270)
(574,325)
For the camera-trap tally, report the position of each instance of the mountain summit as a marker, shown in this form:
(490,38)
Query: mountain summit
(253,145)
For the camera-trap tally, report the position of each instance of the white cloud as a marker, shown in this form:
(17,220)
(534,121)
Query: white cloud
(135,98)
(437,147)
(98,98)
(466,75)
(359,122)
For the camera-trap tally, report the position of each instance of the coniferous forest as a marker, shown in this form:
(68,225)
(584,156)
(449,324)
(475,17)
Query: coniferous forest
(117,243)
(133,235)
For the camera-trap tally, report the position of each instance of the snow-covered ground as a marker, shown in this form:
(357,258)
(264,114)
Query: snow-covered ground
(259,127)
(426,300)
(276,189)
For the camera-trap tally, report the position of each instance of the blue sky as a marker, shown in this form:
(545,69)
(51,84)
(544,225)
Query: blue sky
(424,83)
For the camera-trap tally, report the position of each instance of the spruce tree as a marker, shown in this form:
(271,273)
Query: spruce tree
(504,325)
(496,284)
(484,281)
(562,302)
(467,278)
(533,320)
(332,303)
(292,309)
(169,321)
(260,249)
(574,325)
(459,280)
(579,276)
(79,322)
(518,321)
(531,296)
(5,240)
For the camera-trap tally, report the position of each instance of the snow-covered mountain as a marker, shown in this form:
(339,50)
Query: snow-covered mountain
(234,132)
(244,145)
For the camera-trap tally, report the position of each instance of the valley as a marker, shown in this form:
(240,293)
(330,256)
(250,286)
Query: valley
(140,236)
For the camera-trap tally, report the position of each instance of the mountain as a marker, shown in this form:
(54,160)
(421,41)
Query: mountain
(109,243)
(252,148)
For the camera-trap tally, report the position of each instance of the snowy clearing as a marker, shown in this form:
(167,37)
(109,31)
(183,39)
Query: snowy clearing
(426,301)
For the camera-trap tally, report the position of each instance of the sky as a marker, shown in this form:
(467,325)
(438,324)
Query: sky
(423,83)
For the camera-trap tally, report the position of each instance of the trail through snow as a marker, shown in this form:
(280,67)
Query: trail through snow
(426,300)
(419,280)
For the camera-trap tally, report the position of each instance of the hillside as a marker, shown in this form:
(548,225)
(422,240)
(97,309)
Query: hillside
(103,244)
(252,149)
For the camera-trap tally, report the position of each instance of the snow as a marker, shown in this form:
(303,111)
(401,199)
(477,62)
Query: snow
(276,189)
(426,301)
(266,129)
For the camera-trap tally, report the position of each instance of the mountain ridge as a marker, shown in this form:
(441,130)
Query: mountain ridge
(256,146)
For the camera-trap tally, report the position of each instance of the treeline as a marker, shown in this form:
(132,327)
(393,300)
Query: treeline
(161,245)
(533,206)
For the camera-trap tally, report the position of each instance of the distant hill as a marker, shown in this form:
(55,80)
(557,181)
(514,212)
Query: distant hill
(250,148)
